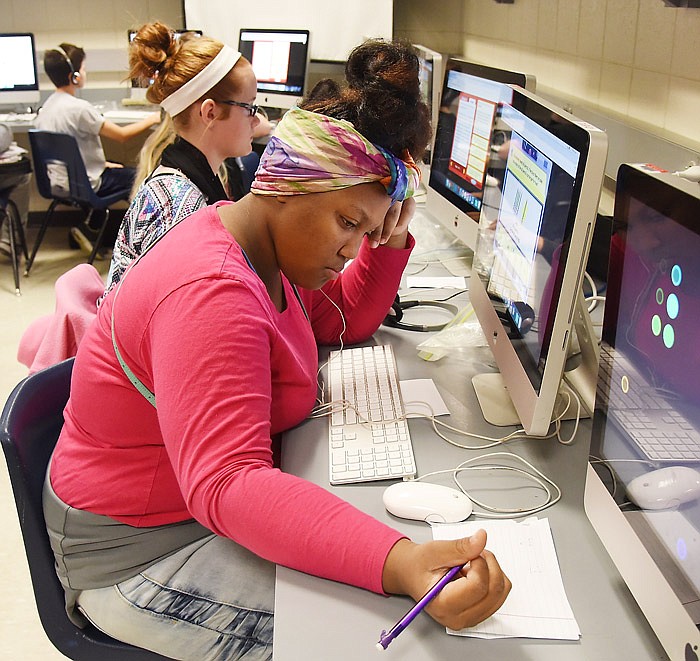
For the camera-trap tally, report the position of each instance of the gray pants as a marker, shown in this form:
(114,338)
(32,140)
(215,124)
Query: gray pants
(212,600)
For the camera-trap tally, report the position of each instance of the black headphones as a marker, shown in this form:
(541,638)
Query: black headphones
(74,75)
(517,319)
(394,318)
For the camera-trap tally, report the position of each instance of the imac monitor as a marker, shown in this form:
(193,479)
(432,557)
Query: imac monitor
(430,76)
(647,413)
(18,73)
(462,146)
(280,60)
(529,263)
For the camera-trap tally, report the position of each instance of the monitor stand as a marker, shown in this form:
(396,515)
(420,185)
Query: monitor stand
(497,406)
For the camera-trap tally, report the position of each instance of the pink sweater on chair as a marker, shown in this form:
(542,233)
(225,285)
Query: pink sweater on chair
(54,337)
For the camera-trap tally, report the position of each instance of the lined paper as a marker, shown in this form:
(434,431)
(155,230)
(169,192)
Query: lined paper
(537,606)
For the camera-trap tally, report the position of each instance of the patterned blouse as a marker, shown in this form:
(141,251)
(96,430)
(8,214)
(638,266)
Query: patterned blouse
(162,201)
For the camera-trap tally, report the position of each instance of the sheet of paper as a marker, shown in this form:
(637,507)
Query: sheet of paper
(537,606)
(436,282)
(421,397)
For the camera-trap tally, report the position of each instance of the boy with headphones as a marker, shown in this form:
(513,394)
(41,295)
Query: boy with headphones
(64,112)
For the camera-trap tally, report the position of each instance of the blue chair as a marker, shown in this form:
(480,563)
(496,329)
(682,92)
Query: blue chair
(249,164)
(29,428)
(241,172)
(52,152)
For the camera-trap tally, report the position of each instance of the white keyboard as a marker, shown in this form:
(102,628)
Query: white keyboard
(369,439)
(17,117)
(126,115)
(645,415)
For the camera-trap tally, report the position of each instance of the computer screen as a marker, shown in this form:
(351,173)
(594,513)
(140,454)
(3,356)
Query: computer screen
(530,260)
(18,73)
(647,413)
(461,151)
(280,60)
(143,84)
(430,74)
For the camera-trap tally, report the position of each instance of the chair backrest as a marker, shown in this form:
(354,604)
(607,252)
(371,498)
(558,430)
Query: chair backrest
(57,159)
(29,428)
(250,165)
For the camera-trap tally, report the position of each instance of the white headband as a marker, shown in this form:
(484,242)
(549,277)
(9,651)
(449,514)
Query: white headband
(196,87)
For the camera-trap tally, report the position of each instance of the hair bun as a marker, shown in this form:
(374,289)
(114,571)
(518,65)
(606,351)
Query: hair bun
(152,45)
(382,98)
(383,66)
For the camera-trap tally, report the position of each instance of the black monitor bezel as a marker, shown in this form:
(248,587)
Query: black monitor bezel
(636,549)
(533,388)
(262,88)
(491,74)
(578,139)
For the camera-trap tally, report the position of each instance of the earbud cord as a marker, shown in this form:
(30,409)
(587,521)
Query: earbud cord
(326,408)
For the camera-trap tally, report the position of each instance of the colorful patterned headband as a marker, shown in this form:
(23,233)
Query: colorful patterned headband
(196,87)
(312,153)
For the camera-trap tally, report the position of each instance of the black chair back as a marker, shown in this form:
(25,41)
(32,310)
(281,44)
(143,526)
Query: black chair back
(29,428)
(61,177)
(11,176)
(60,152)
(249,166)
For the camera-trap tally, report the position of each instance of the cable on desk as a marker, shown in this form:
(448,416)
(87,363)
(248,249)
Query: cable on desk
(491,512)
(324,408)
(424,264)
(494,442)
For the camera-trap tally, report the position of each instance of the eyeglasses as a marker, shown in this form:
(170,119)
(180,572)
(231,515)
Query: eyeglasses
(250,107)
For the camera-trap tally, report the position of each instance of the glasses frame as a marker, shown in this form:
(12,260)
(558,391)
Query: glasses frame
(252,108)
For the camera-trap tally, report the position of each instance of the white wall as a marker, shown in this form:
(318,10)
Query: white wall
(631,67)
(438,25)
(99,26)
(635,60)
(335,28)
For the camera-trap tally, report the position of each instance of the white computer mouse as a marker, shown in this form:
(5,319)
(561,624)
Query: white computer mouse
(665,488)
(428,502)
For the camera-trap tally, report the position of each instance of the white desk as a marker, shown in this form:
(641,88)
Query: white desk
(22,122)
(18,122)
(319,619)
(125,116)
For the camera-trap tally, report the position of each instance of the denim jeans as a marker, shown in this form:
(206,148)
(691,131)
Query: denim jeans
(212,600)
(115,180)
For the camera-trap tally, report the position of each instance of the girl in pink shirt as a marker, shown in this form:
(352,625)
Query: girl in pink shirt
(166,511)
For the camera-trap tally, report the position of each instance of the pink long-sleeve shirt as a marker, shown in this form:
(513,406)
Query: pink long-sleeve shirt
(196,325)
